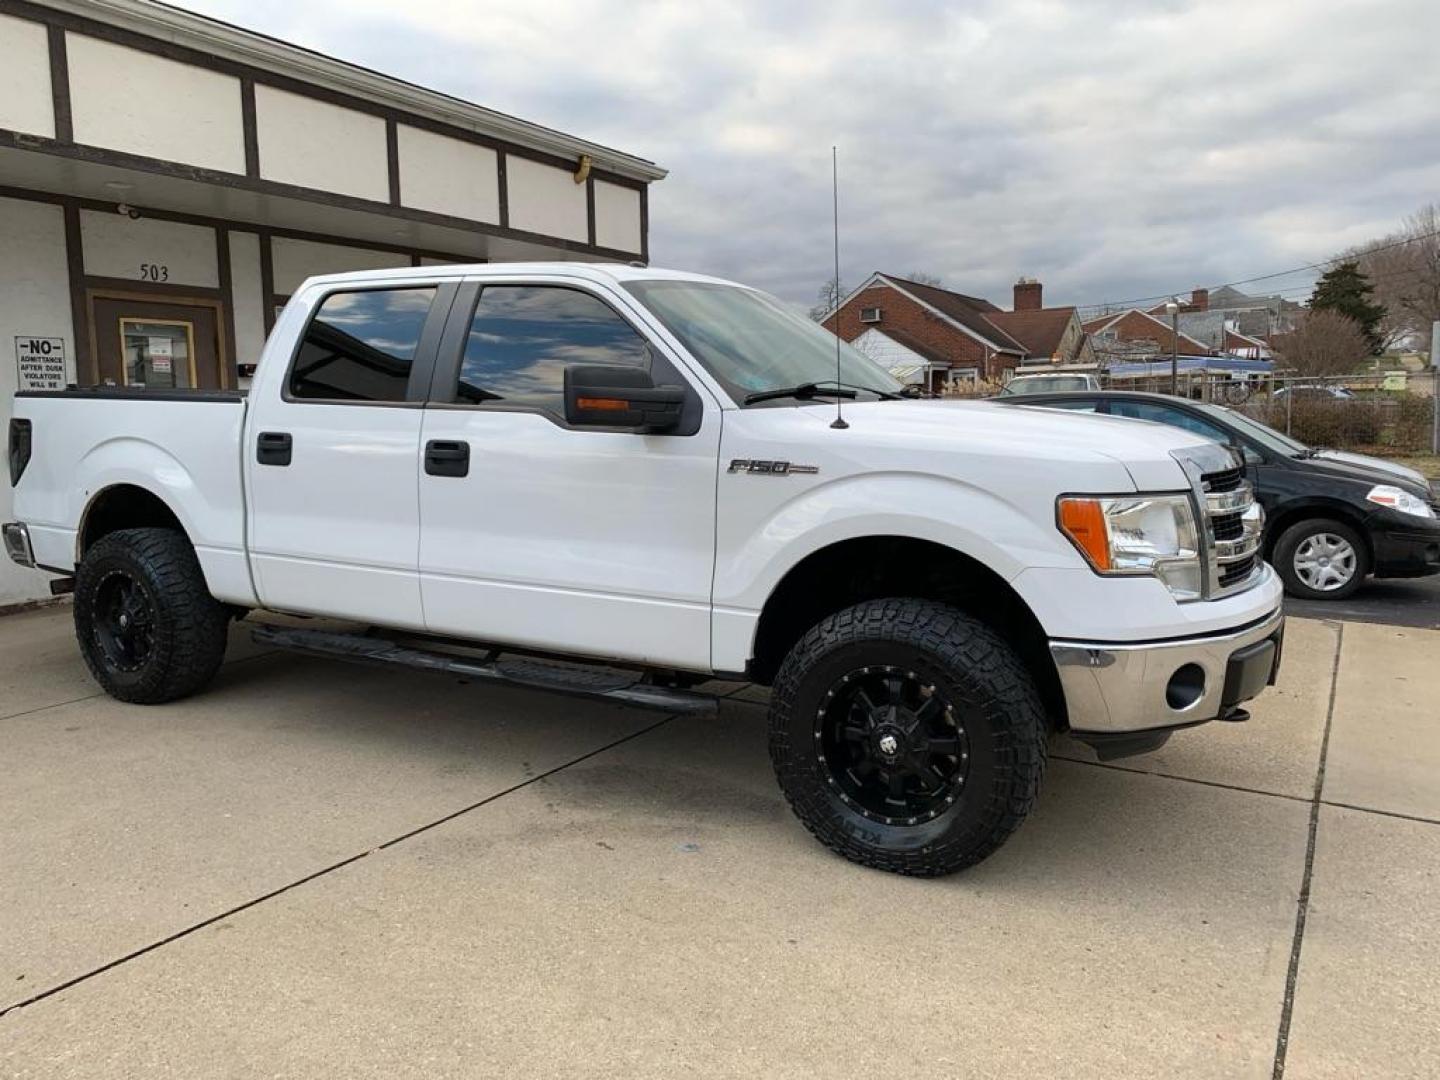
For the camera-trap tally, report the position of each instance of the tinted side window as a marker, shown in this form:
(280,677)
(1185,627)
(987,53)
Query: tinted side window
(1146,410)
(1073,406)
(522,336)
(360,345)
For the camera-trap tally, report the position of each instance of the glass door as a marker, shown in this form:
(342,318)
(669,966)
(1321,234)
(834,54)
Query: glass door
(158,353)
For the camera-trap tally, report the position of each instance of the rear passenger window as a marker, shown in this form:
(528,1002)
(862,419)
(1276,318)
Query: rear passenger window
(360,345)
(523,336)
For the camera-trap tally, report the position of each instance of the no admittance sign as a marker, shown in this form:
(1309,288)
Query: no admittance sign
(39,363)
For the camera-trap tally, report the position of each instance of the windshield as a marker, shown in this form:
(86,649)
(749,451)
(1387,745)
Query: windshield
(1265,435)
(751,342)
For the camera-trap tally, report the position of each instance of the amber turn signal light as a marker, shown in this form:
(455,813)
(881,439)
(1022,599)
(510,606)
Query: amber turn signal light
(603,404)
(1083,521)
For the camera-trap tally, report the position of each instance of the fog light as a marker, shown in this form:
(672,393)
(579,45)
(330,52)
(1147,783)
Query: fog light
(1186,687)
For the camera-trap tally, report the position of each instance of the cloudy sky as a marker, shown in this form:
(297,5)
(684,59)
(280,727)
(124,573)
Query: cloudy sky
(1112,148)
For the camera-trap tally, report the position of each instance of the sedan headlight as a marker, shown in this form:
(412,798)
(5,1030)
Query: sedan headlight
(1399,499)
(1151,535)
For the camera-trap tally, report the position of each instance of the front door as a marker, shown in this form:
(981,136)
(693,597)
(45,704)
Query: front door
(159,344)
(581,540)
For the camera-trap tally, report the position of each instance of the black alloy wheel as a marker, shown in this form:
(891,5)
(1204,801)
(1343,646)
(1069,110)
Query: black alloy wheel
(892,745)
(124,623)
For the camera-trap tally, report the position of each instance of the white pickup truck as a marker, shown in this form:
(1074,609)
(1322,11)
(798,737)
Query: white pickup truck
(620,482)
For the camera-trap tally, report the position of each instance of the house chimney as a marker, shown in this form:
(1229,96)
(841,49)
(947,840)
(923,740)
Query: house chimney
(1199,299)
(1027,295)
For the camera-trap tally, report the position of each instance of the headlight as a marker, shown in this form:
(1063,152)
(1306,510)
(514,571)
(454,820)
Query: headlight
(1137,534)
(1398,499)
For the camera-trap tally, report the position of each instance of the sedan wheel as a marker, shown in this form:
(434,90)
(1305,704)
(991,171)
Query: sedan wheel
(1325,562)
(1321,559)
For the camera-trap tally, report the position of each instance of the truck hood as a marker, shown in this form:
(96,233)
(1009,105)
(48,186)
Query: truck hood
(1145,450)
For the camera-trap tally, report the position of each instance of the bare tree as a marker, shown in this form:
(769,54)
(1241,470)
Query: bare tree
(921,277)
(1405,270)
(828,296)
(1323,343)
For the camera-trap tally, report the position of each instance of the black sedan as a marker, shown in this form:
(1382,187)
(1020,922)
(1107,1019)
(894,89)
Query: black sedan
(1331,518)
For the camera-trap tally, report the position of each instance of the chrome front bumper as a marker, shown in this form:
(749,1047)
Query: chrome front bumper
(1114,691)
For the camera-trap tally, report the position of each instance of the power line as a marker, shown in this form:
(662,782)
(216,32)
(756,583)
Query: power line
(1263,277)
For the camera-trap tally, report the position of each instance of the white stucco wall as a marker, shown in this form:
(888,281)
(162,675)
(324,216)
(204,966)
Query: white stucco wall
(546,200)
(448,176)
(124,99)
(121,247)
(295,260)
(25,103)
(319,145)
(617,216)
(34,302)
(249,306)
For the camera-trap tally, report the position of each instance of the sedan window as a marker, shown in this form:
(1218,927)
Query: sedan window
(1164,414)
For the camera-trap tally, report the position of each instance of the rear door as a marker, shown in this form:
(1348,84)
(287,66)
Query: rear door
(583,540)
(333,457)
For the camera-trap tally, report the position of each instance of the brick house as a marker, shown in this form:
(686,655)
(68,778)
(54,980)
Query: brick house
(923,333)
(1136,333)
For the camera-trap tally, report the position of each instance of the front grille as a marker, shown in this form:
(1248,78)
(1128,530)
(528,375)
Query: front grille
(1236,572)
(1233,524)
(1226,480)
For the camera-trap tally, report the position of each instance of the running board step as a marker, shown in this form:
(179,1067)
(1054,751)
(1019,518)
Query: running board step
(605,684)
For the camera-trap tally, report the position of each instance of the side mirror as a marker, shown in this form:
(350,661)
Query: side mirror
(608,395)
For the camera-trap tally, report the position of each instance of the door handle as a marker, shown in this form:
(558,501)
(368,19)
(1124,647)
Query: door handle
(273,448)
(445,457)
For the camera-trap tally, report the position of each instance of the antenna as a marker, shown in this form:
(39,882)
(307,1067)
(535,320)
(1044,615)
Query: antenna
(839,421)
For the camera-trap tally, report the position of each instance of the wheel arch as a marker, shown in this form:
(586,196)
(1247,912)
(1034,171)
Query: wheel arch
(123,506)
(1293,513)
(872,567)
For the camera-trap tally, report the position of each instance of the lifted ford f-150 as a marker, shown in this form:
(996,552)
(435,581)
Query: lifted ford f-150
(620,482)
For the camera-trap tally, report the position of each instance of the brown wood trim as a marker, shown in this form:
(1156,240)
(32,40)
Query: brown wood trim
(590,210)
(126,289)
(229,377)
(158,47)
(502,179)
(645,225)
(248,125)
(267,280)
(87,366)
(120,159)
(392,158)
(60,84)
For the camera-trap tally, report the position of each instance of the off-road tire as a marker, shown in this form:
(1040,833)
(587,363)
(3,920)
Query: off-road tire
(188,627)
(978,672)
(1283,558)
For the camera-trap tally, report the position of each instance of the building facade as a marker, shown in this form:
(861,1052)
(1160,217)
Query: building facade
(167,180)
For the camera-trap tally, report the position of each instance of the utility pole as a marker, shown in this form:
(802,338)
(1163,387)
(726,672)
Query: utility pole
(1173,306)
(1435,387)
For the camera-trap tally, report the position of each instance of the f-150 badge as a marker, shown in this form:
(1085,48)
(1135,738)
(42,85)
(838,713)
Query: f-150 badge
(769,468)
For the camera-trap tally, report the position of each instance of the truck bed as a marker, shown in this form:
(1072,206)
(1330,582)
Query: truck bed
(182,445)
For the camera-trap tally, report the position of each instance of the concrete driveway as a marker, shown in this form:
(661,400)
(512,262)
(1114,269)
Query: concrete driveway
(321,870)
